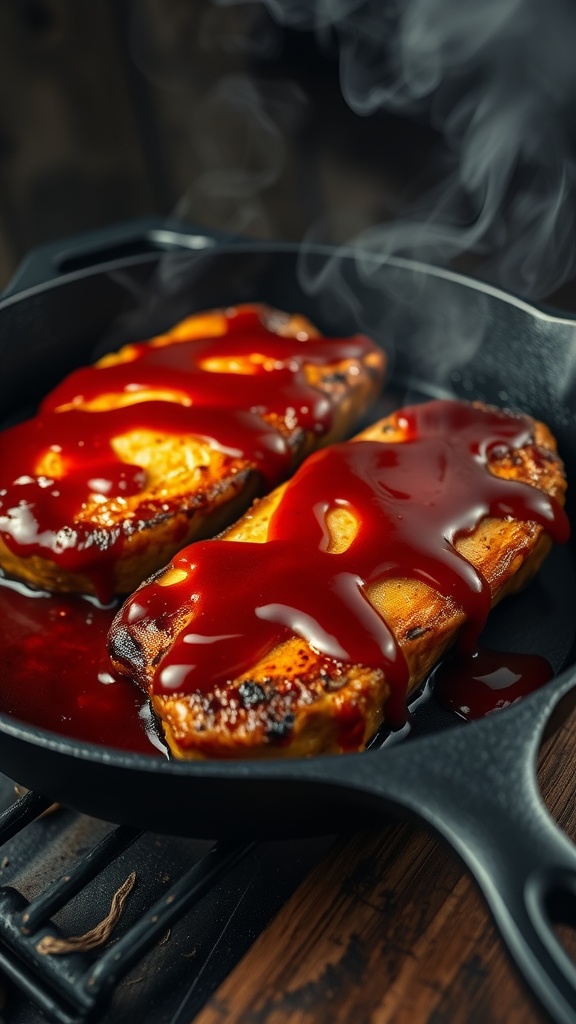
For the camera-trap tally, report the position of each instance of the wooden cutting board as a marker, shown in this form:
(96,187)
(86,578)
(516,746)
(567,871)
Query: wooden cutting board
(389,929)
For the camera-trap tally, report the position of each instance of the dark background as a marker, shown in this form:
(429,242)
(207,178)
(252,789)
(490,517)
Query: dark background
(111,110)
(215,115)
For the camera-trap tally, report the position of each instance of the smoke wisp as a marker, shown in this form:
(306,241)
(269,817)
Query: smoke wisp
(497,78)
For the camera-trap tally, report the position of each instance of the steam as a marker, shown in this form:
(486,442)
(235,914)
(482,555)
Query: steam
(498,79)
(241,146)
(226,131)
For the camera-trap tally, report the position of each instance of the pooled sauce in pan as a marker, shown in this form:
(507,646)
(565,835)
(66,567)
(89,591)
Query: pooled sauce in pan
(411,501)
(221,389)
(485,681)
(55,672)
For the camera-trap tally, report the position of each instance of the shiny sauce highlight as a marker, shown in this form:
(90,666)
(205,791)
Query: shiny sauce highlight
(411,500)
(485,681)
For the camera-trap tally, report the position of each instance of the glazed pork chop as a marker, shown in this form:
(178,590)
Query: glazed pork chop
(169,440)
(306,624)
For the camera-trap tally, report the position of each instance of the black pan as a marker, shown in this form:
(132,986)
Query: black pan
(474,785)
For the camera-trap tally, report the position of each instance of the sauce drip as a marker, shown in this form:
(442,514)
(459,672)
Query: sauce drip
(411,501)
(488,681)
(42,515)
(55,672)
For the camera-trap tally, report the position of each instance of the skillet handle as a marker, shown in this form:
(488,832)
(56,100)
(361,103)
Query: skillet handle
(476,787)
(526,869)
(48,262)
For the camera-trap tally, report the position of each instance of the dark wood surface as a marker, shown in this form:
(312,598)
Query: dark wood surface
(389,929)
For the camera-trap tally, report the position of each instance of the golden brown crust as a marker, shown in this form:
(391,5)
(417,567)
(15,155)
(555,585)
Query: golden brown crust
(192,490)
(294,701)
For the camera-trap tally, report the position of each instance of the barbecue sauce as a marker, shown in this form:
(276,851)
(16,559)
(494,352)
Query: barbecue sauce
(487,681)
(55,672)
(411,501)
(242,391)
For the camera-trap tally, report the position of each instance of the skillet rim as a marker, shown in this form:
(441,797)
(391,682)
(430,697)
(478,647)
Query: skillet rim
(347,251)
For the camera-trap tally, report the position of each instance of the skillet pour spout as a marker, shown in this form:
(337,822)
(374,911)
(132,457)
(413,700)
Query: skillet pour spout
(479,792)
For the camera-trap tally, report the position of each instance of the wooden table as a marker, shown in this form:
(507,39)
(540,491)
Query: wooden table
(389,929)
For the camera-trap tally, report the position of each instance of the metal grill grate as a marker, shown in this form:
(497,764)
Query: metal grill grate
(194,911)
(64,987)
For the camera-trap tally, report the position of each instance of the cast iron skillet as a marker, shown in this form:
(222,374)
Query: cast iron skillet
(473,785)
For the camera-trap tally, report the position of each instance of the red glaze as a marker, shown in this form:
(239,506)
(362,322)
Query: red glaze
(275,384)
(487,681)
(55,672)
(351,727)
(412,500)
(39,515)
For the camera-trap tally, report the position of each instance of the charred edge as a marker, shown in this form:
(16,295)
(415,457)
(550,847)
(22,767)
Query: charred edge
(334,378)
(251,694)
(415,633)
(123,648)
(279,730)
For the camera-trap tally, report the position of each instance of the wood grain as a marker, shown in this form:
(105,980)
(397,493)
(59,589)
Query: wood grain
(389,929)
